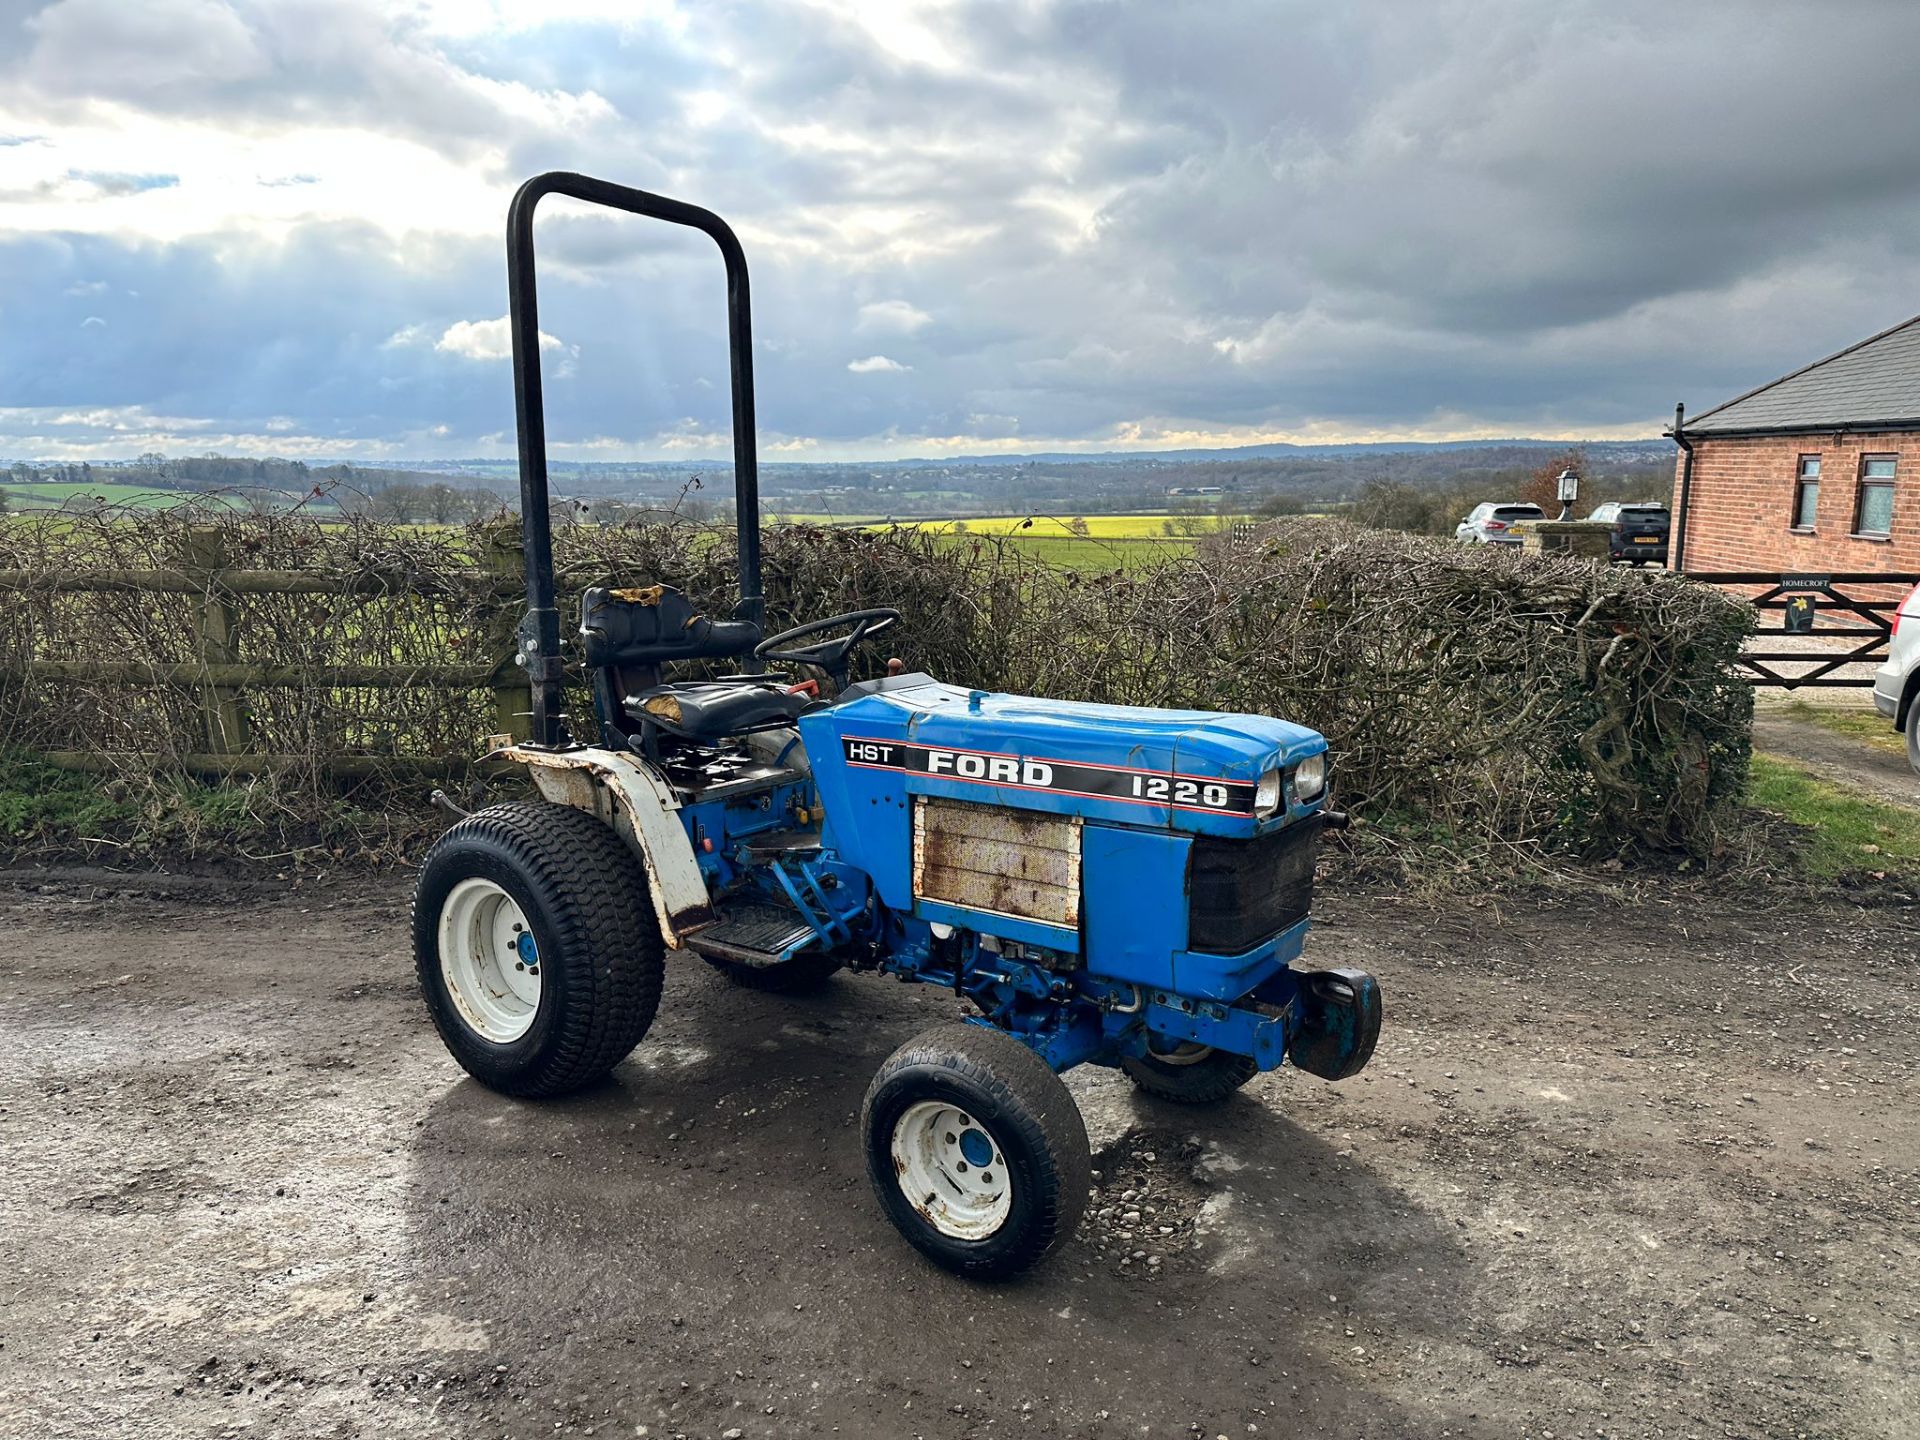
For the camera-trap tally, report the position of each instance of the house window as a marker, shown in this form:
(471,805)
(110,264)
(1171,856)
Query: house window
(1806,493)
(1873,511)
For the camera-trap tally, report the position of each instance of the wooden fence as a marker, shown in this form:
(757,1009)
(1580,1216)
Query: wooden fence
(219,678)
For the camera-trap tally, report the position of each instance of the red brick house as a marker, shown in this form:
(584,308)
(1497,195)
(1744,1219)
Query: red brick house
(1818,471)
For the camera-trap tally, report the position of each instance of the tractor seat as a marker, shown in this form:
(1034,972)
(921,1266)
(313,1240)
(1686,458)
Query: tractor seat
(715,709)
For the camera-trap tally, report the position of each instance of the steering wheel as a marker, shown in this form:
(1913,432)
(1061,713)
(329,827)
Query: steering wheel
(828,655)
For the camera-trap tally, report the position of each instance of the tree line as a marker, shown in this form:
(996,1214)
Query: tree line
(1386,503)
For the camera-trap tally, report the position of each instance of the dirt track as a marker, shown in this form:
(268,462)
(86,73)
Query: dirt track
(1614,1172)
(1882,774)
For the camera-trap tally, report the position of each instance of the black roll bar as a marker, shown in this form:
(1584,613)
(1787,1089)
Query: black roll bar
(539,635)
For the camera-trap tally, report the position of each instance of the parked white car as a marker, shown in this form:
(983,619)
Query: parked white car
(1896,684)
(1492,523)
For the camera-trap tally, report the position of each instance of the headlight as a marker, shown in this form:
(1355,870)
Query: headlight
(1310,778)
(1266,796)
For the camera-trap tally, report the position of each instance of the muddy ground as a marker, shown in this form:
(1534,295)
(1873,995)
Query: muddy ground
(1647,1170)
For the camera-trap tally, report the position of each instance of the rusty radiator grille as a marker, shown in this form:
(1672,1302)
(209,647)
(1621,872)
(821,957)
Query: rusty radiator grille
(985,857)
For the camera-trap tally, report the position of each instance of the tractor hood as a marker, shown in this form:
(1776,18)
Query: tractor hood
(1189,769)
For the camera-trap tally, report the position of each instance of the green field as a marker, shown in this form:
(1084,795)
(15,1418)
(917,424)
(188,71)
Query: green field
(1111,542)
(55,495)
(1062,527)
(1042,527)
(51,495)
(1065,552)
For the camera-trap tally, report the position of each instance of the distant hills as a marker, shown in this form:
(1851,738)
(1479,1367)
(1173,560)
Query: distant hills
(1650,448)
(1236,478)
(1283,451)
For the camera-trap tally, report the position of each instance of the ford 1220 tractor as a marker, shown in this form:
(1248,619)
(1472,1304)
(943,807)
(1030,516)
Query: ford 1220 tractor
(1095,882)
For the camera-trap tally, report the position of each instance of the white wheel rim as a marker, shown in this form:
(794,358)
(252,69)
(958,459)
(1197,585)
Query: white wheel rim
(490,961)
(951,1169)
(1184,1052)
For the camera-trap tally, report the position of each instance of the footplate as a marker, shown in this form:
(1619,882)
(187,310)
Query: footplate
(754,935)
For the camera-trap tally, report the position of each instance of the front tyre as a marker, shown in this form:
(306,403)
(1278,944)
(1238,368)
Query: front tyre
(1186,1073)
(976,1150)
(536,947)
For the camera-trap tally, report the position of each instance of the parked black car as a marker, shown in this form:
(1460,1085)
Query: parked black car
(1639,530)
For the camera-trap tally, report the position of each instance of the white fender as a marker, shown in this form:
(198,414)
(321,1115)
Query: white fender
(628,794)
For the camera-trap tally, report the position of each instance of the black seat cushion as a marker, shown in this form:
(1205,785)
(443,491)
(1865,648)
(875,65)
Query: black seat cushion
(714,709)
(653,625)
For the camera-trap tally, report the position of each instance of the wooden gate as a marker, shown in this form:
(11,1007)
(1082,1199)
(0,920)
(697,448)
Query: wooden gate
(1836,620)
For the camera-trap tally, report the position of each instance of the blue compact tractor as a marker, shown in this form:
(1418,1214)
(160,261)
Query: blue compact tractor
(1094,883)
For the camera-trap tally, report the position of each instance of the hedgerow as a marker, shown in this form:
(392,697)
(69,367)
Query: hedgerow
(1476,701)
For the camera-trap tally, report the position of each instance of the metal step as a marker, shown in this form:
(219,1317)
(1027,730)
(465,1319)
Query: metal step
(783,842)
(753,934)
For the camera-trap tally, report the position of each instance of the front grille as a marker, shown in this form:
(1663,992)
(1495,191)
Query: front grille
(1241,892)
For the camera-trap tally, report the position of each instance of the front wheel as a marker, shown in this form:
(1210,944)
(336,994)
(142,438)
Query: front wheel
(1187,1073)
(976,1150)
(534,939)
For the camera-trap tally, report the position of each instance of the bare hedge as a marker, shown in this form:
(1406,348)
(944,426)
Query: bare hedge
(1472,698)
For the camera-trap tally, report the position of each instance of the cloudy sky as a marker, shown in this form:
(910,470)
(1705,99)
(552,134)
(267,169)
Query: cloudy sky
(975,226)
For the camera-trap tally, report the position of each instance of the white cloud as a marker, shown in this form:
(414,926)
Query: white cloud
(893,317)
(1061,225)
(485,340)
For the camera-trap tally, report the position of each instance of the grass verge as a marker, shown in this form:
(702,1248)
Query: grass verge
(48,813)
(1846,834)
(1855,722)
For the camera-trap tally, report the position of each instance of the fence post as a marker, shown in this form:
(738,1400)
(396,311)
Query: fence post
(223,715)
(502,561)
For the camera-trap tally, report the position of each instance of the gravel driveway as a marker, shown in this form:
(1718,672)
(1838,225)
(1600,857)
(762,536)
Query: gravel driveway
(1643,1170)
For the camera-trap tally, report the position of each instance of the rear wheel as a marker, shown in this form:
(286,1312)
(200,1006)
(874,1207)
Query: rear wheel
(536,948)
(1913,733)
(1186,1073)
(976,1150)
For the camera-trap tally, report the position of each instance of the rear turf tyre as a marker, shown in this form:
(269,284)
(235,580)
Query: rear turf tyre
(536,947)
(797,976)
(1188,1074)
(976,1150)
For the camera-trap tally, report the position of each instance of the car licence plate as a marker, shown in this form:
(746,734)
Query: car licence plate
(1646,539)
